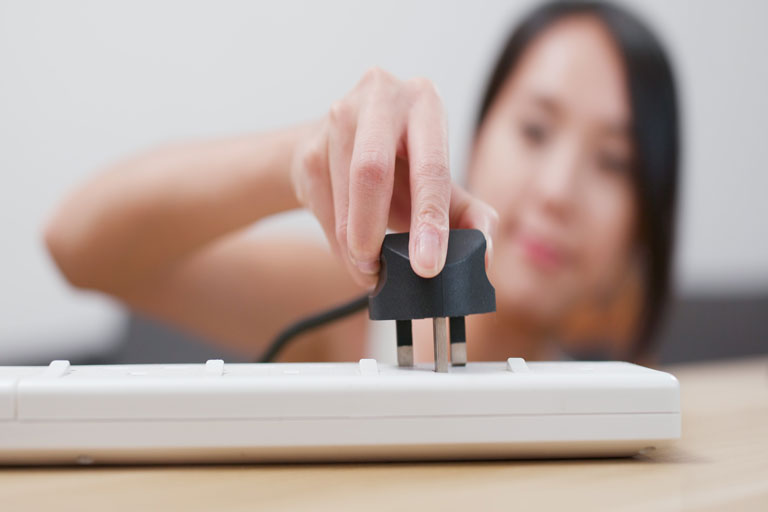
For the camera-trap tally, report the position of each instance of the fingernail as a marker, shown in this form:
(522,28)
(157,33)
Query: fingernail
(428,249)
(488,251)
(370,267)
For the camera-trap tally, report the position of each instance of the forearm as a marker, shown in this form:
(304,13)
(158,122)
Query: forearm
(146,213)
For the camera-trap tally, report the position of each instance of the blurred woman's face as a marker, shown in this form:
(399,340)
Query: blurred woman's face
(554,157)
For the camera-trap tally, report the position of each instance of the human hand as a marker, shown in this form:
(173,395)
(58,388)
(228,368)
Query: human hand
(379,159)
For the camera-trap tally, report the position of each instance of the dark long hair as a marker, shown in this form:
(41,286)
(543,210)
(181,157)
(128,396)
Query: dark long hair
(655,133)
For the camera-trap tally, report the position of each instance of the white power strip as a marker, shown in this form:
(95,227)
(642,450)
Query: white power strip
(218,412)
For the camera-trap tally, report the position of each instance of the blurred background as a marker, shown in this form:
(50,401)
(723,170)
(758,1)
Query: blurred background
(85,82)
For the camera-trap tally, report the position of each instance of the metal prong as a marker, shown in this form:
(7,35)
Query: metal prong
(459,354)
(458,337)
(440,336)
(404,343)
(405,355)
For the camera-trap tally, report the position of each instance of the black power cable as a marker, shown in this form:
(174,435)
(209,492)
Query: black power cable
(310,322)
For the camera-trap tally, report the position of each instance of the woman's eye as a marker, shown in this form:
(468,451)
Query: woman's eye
(534,133)
(613,163)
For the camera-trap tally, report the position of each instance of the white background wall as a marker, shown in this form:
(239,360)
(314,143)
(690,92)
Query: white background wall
(82,83)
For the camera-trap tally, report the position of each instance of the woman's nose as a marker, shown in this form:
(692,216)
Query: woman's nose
(558,179)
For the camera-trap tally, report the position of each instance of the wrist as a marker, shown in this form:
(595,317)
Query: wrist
(274,157)
(304,137)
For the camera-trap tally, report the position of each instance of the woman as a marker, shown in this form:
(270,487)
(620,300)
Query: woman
(572,178)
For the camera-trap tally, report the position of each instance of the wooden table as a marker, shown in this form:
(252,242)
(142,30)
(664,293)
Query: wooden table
(720,464)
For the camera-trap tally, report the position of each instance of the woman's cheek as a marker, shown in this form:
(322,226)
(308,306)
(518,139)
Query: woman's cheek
(502,174)
(611,217)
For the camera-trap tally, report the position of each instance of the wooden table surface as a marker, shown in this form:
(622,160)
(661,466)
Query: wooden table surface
(721,463)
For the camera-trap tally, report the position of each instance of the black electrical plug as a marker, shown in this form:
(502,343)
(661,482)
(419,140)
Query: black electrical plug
(461,288)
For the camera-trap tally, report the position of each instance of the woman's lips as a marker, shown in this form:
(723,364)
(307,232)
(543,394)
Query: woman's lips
(540,253)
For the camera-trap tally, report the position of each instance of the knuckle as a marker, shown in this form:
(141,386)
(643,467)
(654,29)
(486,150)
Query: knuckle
(434,169)
(313,161)
(372,169)
(423,88)
(433,213)
(340,113)
(375,75)
(433,195)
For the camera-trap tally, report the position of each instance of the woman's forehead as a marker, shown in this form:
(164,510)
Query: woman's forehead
(574,66)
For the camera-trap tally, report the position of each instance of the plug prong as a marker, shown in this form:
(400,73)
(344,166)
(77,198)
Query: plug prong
(404,343)
(440,336)
(458,337)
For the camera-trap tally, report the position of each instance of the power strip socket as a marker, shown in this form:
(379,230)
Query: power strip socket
(217,412)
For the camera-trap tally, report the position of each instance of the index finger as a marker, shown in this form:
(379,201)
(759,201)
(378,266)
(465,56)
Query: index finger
(370,185)
(430,182)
